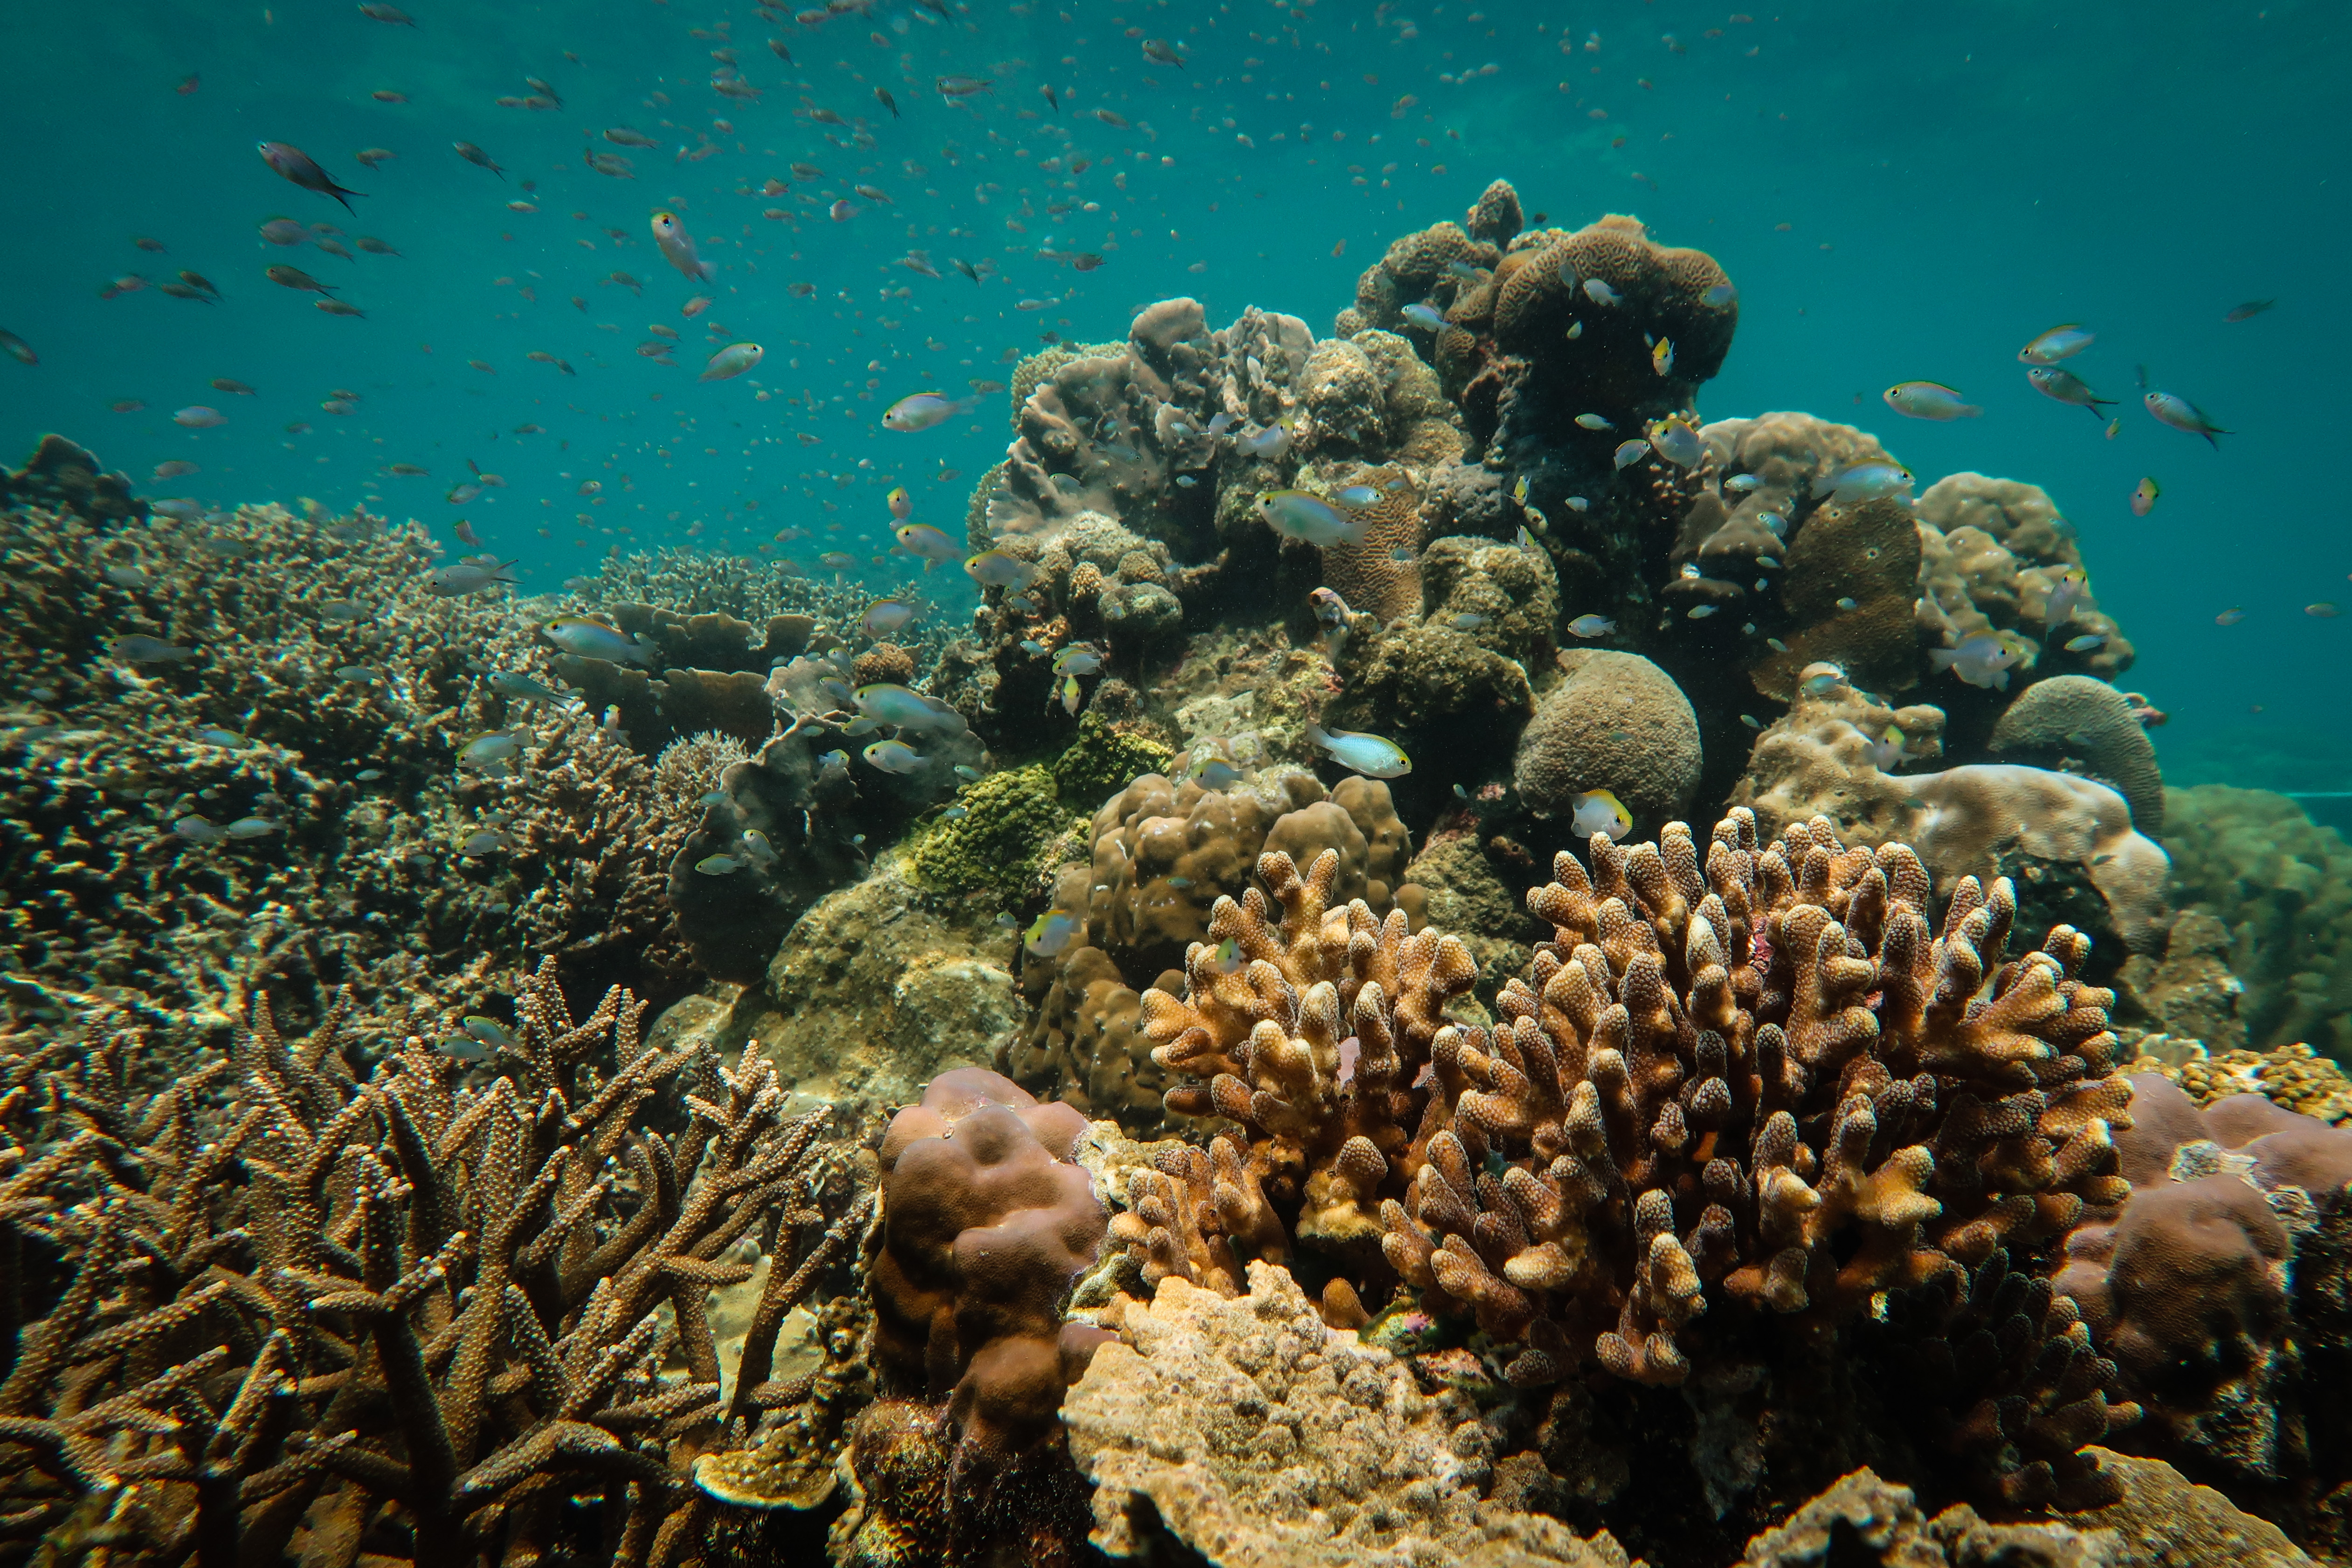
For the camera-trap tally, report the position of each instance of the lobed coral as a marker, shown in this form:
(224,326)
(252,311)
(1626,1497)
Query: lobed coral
(1616,723)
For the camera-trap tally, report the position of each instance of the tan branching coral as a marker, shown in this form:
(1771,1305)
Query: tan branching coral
(410,1316)
(1663,1124)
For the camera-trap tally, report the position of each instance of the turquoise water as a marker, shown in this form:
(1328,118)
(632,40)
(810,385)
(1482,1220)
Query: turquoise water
(1899,195)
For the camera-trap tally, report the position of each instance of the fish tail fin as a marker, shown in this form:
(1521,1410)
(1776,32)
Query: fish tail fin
(2210,432)
(1317,734)
(1940,658)
(1971,410)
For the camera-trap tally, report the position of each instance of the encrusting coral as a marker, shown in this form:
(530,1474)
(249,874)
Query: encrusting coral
(1247,1433)
(281,1309)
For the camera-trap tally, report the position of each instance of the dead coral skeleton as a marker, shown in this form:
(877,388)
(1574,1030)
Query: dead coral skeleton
(411,1318)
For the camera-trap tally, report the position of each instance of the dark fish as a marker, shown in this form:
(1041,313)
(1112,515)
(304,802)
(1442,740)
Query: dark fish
(377,11)
(375,246)
(293,163)
(1051,97)
(1163,52)
(473,154)
(2250,309)
(882,96)
(782,52)
(198,280)
(544,91)
(295,278)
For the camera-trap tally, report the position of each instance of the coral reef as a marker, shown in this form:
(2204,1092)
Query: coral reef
(1244,1432)
(1010,822)
(221,780)
(2161,1521)
(2075,719)
(1994,550)
(289,1311)
(61,477)
(2282,887)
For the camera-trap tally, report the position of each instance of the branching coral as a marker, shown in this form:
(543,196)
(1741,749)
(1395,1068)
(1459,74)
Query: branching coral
(411,1316)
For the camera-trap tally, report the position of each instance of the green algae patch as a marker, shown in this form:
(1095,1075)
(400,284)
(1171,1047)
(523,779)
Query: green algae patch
(1104,759)
(1008,833)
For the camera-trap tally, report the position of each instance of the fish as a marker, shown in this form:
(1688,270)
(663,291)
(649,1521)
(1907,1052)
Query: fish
(881,96)
(2230,616)
(1113,119)
(959,86)
(1070,695)
(591,638)
(995,569)
(2325,610)
(893,756)
(1677,442)
(371,157)
(1852,482)
(923,411)
(294,164)
(475,156)
(886,616)
(1212,772)
(1662,356)
(1371,755)
(1890,750)
(843,210)
(356,675)
(1600,293)
(514,684)
(1423,316)
(1929,400)
(1984,659)
(1078,658)
(1161,50)
(2183,416)
(468,578)
(621,136)
(490,751)
(1590,625)
(173,467)
(295,278)
(199,418)
(1596,422)
(544,91)
(2087,643)
(1357,497)
(1629,452)
(1467,621)
(197,280)
(1599,811)
(1268,443)
(1740,484)
(1719,297)
(1822,682)
(2059,342)
(902,707)
(377,11)
(337,308)
(1296,514)
(901,504)
(2064,386)
(731,361)
(139,649)
(487,841)
(234,388)
(128,576)
(931,544)
(18,349)
(2249,311)
(678,247)
(2067,591)
(197,830)
(718,865)
(2143,497)
(1052,931)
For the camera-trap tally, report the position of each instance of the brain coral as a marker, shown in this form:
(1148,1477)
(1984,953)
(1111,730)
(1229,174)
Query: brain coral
(1617,722)
(1243,1432)
(2075,717)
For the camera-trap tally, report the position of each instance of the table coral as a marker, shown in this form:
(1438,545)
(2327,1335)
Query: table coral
(1243,1432)
(1617,722)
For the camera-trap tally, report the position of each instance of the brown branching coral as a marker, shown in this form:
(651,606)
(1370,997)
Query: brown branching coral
(1661,1124)
(286,1311)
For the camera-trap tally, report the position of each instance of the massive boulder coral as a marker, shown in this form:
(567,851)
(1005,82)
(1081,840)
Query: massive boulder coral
(2219,1287)
(1865,1522)
(1616,723)
(1993,553)
(1241,1430)
(2074,719)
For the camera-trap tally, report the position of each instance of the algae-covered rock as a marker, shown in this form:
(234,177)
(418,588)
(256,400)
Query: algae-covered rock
(873,994)
(1106,758)
(1010,822)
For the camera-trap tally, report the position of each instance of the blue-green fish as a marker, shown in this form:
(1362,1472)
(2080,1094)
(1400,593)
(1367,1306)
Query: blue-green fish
(251,827)
(1862,482)
(2062,385)
(886,703)
(2057,344)
(2183,416)
(591,638)
(1053,931)
(142,649)
(995,569)
(1677,442)
(493,751)
(1370,756)
(511,683)
(490,1031)
(932,545)
(893,756)
(1295,514)
(717,865)
(1423,316)
(923,411)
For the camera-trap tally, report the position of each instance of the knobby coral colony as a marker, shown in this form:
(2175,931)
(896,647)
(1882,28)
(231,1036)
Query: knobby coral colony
(1756,1086)
(286,1313)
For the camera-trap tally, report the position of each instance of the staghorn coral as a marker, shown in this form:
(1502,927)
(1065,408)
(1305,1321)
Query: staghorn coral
(2282,887)
(408,1317)
(1241,1431)
(2074,719)
(1617,722)
(285,807)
